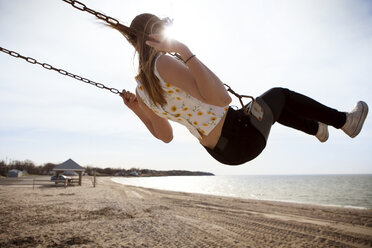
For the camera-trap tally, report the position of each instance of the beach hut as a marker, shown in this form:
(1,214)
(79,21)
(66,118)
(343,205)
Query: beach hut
(14,173)
(69,165)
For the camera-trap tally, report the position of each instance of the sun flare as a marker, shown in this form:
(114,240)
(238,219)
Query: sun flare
(172,32)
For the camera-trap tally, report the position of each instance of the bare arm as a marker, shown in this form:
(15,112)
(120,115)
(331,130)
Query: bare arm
(194,77)
(159,127)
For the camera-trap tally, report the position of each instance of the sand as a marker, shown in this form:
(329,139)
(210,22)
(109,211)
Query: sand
(113,215)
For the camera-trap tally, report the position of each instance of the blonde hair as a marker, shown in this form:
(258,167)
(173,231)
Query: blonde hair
(137,34)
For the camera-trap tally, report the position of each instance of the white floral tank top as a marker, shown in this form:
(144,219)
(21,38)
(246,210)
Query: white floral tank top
(198,117)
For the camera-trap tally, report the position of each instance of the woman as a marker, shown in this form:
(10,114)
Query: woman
(189,93)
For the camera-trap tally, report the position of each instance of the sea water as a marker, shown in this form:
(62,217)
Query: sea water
(354,191)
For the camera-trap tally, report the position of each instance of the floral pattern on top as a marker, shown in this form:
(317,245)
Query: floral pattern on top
(198,117)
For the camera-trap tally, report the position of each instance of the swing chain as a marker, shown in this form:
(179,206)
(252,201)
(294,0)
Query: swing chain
(245,107)
(81,6)
(61,71)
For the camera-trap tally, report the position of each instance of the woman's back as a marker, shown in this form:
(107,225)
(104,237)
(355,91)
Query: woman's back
(199,117)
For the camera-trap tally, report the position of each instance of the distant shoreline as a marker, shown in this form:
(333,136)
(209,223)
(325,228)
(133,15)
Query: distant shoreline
(276,188)
(157,173)
(253,199)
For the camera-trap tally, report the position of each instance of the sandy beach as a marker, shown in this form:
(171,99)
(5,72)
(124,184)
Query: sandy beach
(113,215)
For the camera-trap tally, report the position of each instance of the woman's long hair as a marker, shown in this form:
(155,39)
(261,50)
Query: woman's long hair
(137,34)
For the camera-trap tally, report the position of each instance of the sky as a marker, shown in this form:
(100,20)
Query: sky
(320,48)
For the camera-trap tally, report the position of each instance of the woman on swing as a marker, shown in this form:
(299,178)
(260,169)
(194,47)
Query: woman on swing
(189,93)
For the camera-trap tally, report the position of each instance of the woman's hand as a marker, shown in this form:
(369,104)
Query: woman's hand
(163,44)
(130,100)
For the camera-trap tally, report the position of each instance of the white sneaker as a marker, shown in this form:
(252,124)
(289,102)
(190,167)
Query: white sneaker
(355,119)
(322,133)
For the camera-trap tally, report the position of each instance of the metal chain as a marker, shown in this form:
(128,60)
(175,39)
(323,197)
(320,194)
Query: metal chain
(81,6)
(61,71)
(240,97)
(110,20)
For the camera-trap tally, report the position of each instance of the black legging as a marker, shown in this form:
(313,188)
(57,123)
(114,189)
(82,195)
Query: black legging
(294,110)
(241,142)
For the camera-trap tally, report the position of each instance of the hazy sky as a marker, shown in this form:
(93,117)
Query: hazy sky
(321,48)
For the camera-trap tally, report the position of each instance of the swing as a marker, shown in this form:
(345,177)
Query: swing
(256,109)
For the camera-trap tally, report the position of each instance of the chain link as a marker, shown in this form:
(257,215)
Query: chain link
(81,6)
(61,71)
(110,20)
(240,97)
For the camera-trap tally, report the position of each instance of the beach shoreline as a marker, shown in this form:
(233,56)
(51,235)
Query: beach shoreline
(116,215)
(117,180)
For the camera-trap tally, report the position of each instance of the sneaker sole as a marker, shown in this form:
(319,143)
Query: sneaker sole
(363,117)
(325,137)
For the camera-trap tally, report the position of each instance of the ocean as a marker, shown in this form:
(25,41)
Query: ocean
(351,191)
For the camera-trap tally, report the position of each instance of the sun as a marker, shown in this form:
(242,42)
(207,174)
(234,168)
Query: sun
(172,32)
